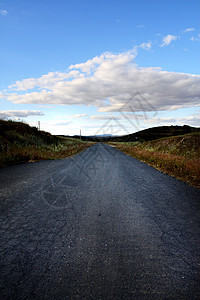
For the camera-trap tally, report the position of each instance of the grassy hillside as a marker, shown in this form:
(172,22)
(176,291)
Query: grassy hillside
(155,133)
(144,135)
(177,156)
(21,143)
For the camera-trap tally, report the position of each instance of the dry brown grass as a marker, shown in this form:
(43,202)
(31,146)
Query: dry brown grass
(30,154)
(177,156)
(21,143)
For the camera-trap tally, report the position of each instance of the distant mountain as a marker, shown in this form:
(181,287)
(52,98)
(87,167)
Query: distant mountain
(99,136)
(156,133)
(94,137)
(149,134)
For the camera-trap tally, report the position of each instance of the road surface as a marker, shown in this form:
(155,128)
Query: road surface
(100,225)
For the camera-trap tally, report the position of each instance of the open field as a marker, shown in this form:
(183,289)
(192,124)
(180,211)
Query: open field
(177,156)
(21,143)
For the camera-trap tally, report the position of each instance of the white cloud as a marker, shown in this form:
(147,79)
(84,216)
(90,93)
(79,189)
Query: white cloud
(146,46)
(3,12)
(195,39)
(108,82)
(72,116)
(189,29)
(44,105)
(45,81)
(5,114)
(104,117)
(122,117)
(168,39)
(189,120)
(79,116)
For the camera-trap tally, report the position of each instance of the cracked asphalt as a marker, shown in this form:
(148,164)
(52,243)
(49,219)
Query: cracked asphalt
(99,225)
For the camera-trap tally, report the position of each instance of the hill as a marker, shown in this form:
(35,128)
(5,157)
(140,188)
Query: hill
(149,134)
(20,142)
(155,133)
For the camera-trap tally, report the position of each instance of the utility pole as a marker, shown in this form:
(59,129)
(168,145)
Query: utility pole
(80,134)
(39,125)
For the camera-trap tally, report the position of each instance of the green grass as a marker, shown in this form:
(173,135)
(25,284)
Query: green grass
(21,143)
(177,156)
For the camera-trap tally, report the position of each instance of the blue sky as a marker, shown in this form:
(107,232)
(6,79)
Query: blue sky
(100,66)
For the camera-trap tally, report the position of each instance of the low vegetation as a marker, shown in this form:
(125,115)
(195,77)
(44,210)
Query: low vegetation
(177,156)
(154,133)
(21,143)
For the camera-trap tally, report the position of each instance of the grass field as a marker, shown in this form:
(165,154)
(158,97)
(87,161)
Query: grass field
(177,156)
(21,143)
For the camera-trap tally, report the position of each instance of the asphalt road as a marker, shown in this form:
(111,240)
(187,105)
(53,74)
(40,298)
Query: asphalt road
(101,225)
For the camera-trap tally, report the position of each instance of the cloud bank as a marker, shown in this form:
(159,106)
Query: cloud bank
(6,114)
(108,82)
